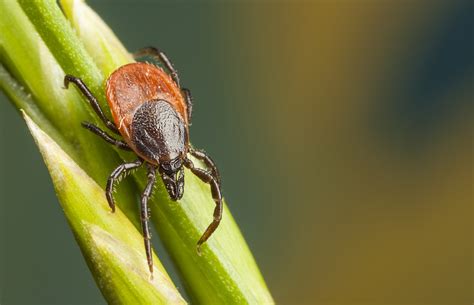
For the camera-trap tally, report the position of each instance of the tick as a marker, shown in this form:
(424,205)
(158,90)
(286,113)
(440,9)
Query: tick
(152,113)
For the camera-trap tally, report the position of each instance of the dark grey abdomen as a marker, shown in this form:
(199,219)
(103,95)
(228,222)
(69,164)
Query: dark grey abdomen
(158,132)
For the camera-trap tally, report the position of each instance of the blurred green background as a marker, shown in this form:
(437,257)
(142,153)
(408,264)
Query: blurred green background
(343,131)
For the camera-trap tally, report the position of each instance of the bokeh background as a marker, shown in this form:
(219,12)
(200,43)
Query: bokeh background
(343,131)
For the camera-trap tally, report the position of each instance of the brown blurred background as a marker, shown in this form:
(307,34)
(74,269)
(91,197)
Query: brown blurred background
(343,130)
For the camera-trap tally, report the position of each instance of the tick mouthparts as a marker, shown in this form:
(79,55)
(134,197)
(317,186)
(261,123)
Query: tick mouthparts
(171,190)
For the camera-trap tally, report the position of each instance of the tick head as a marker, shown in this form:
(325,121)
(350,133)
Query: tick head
(172,173)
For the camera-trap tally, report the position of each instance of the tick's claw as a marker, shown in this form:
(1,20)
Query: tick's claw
(150,267)
(66,81)
(198,248)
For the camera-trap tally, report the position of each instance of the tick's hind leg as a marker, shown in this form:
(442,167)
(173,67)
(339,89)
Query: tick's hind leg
(105,136)
(116,174)
(92,100)
(207,177)
(144,215)
(160,56)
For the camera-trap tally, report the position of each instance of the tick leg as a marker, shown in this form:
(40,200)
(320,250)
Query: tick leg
(207,177)
(204,157)
(106,136)
(92,100)
(189,102)
(144,214)
(116,174)
(160,56)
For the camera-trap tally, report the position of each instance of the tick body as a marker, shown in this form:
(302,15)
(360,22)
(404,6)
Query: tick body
(152,113)
(133,85)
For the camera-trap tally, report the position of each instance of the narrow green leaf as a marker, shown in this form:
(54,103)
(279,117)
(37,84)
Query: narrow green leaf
(113,248)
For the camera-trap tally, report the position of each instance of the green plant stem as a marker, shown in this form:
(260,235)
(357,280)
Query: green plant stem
(226,273)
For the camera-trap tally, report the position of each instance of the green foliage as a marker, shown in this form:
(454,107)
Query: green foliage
(38,47)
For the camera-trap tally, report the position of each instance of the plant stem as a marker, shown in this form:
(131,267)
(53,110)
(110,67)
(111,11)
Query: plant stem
(226,273)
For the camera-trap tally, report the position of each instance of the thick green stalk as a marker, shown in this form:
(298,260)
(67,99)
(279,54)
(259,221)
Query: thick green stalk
(226,273)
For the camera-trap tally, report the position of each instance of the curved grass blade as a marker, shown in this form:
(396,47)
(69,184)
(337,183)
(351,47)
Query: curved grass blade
(111,245)
(226,273)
